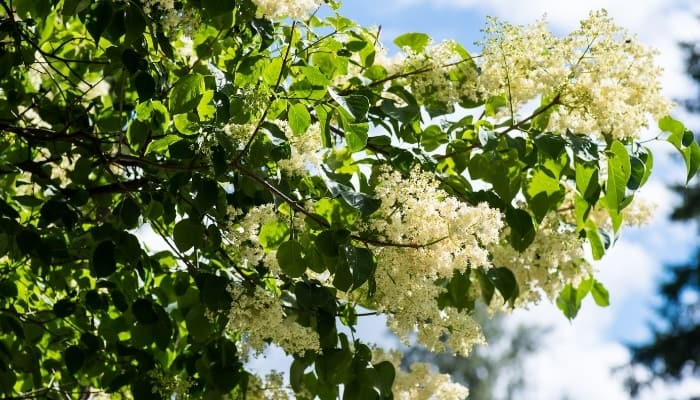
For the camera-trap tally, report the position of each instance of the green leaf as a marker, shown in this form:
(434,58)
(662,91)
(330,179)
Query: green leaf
(568,302)
(487,288)
(299,118)
(673,126)
(503,170)
(361,263)
(296,374)
(137,133)
(273,234)
(145,85)
(144,312)
(638,173)
(206,110)
(272,71)
(94,301)
(693,160)
(543,192)
(134,23)
(104,263)
(414,41)
(98,19)
(314,76)
(8,289)
(188,233)
(457,294)
(336,212)
(433,137)
(361,202)
(217,7)
(587,181)
(207,194)
(583,147)
(186,93)
(334,366)
(593,236)
(504,281)
(356,266)
(213,291)
(522,229)
(583,289)
(494,104)
(290,259)
(648,159)
(683,140)
(356,106)
(619,172)
(64,308)
(356,136)
(74,358)
(186,124)
(129,212)
(384,376)
(600,294)
(161,145)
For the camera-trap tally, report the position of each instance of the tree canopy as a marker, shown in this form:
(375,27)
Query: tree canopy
(301,178)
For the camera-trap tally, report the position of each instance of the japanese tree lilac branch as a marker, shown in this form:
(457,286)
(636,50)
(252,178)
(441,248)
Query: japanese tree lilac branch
(400,75)
(245,149)
(539,111)
(297,207)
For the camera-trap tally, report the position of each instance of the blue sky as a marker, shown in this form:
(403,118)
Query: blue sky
(631,271)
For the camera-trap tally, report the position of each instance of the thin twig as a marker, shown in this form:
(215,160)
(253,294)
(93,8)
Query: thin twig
(245,149)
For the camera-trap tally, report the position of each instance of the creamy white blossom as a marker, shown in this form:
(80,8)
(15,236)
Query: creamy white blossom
(420,382)
(450,236)
(259,315)
(295,9)
(243,235)
(554,259)
(440,73)
(599,79)
(306,151)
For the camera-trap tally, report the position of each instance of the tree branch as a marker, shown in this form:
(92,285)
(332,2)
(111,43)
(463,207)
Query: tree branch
(319,220)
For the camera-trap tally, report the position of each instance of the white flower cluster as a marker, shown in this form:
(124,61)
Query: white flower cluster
(554,259)
(453,235)
(520,63)
(307,150)
(269,387)
(240,133)
(415,210)
(175,387)
(420,382)
(261,318)
(170,18)
(243,237)
(295,9)
(604,80)
(439,73)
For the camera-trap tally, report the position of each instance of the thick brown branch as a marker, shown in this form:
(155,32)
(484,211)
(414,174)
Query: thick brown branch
(34,135)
